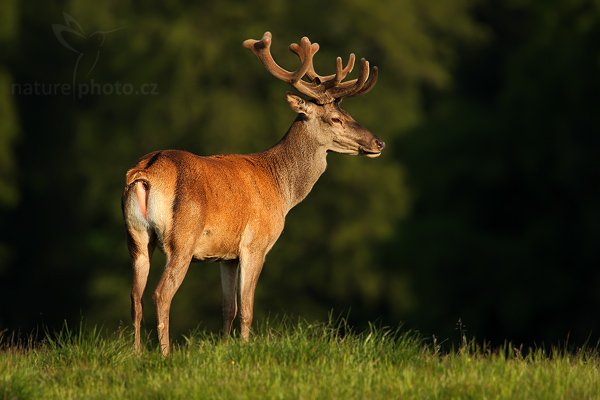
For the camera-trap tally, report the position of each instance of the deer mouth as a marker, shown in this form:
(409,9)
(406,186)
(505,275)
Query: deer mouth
(369,153)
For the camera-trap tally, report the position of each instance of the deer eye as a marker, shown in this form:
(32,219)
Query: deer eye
(336,120)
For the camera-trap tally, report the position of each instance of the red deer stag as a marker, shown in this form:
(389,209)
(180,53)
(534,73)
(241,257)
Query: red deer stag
(232,208)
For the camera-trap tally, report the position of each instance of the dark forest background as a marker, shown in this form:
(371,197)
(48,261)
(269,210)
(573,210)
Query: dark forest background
(483,209)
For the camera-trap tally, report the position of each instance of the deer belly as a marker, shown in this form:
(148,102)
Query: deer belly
(215,245)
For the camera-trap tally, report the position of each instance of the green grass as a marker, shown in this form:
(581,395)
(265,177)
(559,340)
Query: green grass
(291,361)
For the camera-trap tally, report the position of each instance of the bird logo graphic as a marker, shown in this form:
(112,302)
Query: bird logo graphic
(87,47)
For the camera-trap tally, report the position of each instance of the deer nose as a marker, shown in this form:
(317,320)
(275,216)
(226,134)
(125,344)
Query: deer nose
(380,144)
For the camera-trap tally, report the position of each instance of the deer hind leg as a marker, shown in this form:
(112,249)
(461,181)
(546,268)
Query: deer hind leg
(141,246)
(250,267)
(172,277)
(229,284)
(141,241)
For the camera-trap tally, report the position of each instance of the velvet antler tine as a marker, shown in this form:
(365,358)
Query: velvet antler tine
(262,49)
(342,73)
(310,73)
(348,90)
(307,50)
(369,84)
(339,71)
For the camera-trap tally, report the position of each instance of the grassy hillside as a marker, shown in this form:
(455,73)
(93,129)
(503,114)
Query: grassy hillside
(290,361)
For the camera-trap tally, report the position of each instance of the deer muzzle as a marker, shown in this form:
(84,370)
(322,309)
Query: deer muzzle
(373,149)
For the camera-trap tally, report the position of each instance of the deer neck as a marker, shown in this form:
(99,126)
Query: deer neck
(297,162)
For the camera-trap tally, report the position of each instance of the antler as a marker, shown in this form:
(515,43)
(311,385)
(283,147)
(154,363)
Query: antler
(322,89)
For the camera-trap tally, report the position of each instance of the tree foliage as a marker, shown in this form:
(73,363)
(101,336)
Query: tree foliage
(504,229)
(483,200)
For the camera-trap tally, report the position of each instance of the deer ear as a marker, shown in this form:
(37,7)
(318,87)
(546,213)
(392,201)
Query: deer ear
(298,104)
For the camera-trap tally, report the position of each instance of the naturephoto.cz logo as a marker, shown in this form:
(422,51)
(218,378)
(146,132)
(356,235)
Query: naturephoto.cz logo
(87,53)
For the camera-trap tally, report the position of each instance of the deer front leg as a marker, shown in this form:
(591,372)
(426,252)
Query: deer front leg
(229,285)
(250,267)
(170,281)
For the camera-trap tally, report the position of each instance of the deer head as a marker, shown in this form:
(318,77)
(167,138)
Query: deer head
(326,121)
